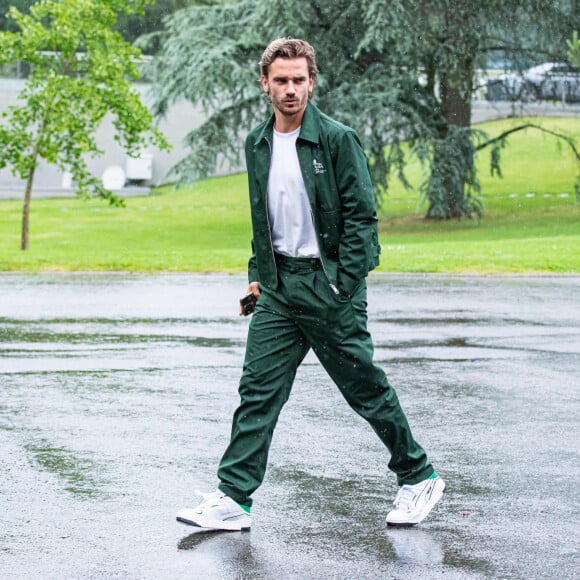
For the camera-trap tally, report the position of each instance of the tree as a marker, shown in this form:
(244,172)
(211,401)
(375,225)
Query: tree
(81,71)
(450,40)
(145,29)
(131,25)
(574,49)
(5,22)
(405,72)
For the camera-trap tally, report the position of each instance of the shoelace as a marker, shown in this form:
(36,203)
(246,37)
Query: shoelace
(405,497)
(211,501)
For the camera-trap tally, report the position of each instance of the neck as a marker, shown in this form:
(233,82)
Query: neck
(287,124)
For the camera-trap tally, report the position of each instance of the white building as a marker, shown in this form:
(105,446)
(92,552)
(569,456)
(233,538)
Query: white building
(123,174)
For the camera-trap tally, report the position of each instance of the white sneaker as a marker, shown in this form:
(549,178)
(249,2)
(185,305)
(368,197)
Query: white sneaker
(217,511)
(414,502)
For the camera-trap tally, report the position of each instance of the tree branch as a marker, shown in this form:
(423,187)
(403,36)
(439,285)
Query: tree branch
(571,142)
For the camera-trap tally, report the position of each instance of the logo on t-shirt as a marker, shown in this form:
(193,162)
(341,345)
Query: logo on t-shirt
(318,167)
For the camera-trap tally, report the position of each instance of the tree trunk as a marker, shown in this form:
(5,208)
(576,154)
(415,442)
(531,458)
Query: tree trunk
(26,211)
(449,171)
(27,198)
(456,100)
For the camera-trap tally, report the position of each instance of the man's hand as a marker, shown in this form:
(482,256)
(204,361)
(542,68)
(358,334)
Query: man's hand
(253,288)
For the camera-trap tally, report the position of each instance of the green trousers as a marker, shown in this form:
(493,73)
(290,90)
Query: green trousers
(305,313)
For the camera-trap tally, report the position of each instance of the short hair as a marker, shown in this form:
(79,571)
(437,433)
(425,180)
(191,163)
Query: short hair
(288,48)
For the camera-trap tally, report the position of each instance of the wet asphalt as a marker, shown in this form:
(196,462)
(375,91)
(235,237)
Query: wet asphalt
(116,395)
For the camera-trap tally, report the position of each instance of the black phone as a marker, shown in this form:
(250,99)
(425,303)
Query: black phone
(248,304)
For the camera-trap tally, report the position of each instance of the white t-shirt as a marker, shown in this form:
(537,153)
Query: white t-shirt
(293,232)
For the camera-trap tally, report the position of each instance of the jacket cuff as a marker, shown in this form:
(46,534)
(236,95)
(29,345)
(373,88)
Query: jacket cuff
(252,276)
(252,269)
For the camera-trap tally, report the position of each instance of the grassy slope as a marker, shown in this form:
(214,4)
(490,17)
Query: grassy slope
(520,232)
(200,229)
(206,227)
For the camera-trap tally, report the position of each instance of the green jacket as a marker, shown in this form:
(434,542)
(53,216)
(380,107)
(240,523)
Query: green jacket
(339,186)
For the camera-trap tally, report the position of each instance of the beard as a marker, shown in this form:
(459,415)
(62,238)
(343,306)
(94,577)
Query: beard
(290,106)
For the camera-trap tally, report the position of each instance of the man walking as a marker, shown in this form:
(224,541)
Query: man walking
(314,241)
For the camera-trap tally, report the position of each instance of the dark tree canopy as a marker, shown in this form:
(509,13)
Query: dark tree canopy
(146,28)
(405,71)
(132,26)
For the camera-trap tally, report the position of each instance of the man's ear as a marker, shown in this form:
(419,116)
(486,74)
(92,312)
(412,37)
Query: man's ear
(265,85)
(311,83)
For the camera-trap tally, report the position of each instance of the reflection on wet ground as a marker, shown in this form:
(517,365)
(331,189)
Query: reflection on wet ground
(116,399)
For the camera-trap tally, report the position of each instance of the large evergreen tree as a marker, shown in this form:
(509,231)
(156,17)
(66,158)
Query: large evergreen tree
(396,71)
(145,29)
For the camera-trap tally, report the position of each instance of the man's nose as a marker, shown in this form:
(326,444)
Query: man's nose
(290,88)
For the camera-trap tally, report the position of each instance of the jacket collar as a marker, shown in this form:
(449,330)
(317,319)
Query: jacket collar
(309,130)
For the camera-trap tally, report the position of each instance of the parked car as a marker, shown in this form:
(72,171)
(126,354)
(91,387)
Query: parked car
(551,81)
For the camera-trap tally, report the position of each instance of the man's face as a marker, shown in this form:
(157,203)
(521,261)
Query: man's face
(289,85)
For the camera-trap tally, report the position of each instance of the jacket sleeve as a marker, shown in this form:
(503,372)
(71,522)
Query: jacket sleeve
(358,247)
(253,267)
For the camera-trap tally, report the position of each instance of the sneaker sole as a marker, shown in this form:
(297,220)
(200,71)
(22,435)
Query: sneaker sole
(215,524)
(437,494)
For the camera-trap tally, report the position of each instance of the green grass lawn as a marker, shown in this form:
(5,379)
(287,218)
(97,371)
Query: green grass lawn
(206,228)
